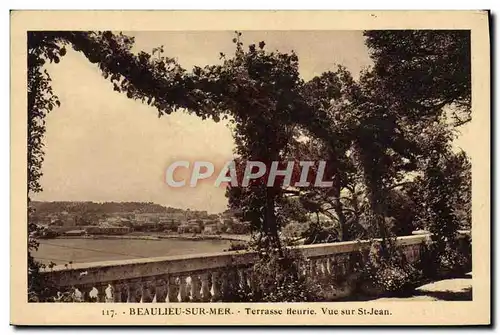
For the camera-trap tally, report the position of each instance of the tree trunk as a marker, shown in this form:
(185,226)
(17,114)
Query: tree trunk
(372,179)
(378,216)
(270,221)
(339,210)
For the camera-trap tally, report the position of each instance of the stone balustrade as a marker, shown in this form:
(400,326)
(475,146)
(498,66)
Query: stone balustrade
(204,277)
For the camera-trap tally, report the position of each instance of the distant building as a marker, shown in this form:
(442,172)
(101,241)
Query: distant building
(57,222)
(143,218)
(189,227)
(107,230)
(118,221)
(170,225)
(79,232)
(211,229)
(113,220)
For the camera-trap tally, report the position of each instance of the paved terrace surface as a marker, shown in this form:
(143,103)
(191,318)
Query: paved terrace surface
(455,289)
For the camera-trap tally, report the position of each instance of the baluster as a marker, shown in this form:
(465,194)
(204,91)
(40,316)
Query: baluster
(117,292)
(184,297)
(216,284)
(360,260)
(350,262)
(408,253)
(189,283)
(243,279)
(337,266)
(353,260)
(195,288)
(418,253)
(225,282)
(86,293)
(77,294)
(319,268)
(328,267)
(300,270)
(233,281)
(126,292)
(161,290)
(334,268)
(343,265)
(101,294)
(135,294)
(312,268)
(253,282)
(109,293)
(173,289)
(249,272)
(205,286)
(331,267)
(320,271)
(148,290)
(307,267)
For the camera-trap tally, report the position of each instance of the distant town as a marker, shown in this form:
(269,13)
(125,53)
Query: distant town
(80,219)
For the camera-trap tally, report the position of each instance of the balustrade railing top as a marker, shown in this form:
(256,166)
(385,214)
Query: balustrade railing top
(198,273)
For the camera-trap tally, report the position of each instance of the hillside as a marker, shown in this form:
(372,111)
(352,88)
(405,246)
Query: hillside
(87,207)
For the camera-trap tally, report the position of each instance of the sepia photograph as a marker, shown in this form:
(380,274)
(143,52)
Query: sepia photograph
(250,168)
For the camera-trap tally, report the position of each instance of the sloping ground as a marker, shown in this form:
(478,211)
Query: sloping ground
(455,289)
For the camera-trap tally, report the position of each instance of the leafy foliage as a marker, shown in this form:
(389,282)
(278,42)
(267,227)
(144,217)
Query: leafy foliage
(373,132)
(278,279)
(424,70)
(446,260)
(392,275)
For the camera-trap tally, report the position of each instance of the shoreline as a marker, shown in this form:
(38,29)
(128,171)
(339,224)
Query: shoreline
(190,237)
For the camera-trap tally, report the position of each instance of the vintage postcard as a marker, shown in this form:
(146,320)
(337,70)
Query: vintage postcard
(250,168)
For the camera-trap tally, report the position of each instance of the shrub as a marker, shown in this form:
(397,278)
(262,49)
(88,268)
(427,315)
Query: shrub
(52,295)
(294,230)
(316,233)
(394,278)
(390,274)
(452,261)
(279,279)
(445,259)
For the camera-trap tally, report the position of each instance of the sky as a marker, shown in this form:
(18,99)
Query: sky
(102,146)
